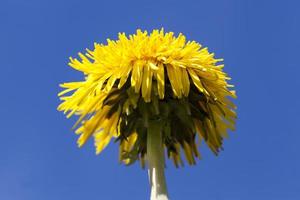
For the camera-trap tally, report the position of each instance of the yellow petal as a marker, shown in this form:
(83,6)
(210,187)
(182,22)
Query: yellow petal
(137,75)
(147,83)
(160,76)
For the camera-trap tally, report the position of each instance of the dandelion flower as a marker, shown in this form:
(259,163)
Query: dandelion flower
(151,93)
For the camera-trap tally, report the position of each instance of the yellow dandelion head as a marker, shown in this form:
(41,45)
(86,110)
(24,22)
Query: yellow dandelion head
(142,79)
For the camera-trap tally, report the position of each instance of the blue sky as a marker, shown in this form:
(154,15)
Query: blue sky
(259,40)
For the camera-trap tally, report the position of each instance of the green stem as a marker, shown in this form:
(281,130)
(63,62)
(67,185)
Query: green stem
(156,162)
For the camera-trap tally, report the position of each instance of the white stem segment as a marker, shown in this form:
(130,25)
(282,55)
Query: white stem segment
(156,163)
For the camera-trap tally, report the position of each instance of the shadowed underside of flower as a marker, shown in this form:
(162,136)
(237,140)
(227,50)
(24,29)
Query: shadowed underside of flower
(145,79)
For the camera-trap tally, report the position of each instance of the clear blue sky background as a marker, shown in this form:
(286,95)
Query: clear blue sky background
(260,42)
